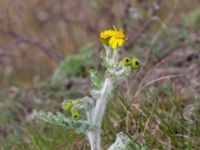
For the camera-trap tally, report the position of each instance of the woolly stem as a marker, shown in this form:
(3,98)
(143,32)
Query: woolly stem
(98,113)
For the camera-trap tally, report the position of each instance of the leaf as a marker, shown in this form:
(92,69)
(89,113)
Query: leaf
(74,65)
(123,142)
(61,120)
(82,104)
(96,80)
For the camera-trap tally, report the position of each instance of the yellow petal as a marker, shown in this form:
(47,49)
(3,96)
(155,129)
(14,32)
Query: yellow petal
(106,34)
(112,39)
(114,45)
(120,42)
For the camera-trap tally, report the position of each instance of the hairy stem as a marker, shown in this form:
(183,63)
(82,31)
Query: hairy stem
(98,113)
(102,101)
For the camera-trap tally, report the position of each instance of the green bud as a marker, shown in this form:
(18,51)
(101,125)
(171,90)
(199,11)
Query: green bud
(68,106)
(76,115)
(135,63)
(126,61)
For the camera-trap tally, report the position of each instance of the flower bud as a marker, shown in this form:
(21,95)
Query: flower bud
(68,106)
(76,115)
(135,63)
(126,61)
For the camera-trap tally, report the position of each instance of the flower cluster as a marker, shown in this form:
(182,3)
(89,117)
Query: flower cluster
(115,38)
(112,40)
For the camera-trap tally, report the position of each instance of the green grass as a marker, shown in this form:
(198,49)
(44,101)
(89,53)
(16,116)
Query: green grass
(159,124)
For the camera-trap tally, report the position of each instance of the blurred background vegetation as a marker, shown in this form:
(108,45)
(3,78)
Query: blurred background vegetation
(48,47)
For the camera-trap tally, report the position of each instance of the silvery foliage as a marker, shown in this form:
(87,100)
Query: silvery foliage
(123,142)
(82,104)
(92,109)
(80,126)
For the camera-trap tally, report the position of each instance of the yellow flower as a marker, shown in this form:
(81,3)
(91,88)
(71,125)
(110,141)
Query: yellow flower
(106,34)
(115,38)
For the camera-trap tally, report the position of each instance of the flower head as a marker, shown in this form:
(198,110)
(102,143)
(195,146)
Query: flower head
(106,34)
(115,38)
